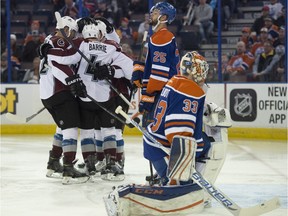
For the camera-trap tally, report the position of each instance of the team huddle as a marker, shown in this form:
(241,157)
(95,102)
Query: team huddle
(81,65)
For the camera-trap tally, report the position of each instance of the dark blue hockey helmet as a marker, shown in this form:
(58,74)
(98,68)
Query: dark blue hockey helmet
(165,9)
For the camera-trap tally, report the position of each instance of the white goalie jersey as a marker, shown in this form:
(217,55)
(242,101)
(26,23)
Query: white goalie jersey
(98,53)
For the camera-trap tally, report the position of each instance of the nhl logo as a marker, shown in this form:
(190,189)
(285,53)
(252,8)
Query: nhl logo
(243,105)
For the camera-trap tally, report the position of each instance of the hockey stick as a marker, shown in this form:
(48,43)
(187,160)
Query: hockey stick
(156,143)
(108,111)
(20,119)
(214,192)
(61,29)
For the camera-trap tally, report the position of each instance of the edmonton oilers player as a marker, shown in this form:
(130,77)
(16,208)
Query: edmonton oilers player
(162,60)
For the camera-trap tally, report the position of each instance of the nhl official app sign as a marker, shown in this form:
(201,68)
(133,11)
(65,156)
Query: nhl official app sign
(243,105)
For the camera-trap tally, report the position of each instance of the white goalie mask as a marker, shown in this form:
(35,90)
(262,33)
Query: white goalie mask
(95,30)
(192,63)
(69,22)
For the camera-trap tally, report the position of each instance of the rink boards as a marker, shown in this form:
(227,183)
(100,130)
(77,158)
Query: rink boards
(257,110)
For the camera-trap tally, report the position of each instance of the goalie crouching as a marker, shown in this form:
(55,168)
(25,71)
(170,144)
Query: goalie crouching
(177,125)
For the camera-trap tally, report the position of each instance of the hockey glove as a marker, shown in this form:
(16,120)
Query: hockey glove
(109,26)
(137,75)
(84,21)
(146,103)
(77,86)
(104,72)
(43,50)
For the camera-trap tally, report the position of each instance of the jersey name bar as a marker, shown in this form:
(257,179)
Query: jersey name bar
(99,47)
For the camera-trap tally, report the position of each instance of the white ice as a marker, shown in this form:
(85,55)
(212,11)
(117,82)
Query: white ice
(254,171)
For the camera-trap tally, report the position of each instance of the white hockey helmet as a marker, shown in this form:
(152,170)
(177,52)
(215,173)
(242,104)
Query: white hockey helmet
(95,30)
(192,63)
(69,22)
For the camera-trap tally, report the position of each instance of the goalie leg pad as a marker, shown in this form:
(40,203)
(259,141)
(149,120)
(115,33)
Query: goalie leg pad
(216,157)
(155,201)
(182,158)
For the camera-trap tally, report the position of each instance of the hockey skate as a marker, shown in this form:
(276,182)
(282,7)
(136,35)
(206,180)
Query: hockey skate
(153,180)
(90,165)
(100,165)
(72,175)
(54,168)
(113,170)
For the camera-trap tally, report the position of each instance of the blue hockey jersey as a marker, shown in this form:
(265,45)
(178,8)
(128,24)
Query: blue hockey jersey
(179,111)
(162,61)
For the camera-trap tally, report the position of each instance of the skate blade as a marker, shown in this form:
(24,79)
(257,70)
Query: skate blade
(95,177)
(69,180)
(111,177)
(53,174)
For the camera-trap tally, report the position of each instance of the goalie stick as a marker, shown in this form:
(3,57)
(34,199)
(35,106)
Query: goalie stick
(214,192)
(61,29)
(20,119)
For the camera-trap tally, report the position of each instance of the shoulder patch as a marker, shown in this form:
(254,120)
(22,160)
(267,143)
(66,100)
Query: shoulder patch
(162,37)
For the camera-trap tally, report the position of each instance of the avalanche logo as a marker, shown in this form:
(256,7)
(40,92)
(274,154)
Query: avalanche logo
(243,105)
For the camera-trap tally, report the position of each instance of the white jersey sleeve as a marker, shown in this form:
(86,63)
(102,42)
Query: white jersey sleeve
(123,65)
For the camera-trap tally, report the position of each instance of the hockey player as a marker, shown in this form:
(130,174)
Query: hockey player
(122,86)
(181,98)
(111,62)
(177,126)
(162,60)
(55,83)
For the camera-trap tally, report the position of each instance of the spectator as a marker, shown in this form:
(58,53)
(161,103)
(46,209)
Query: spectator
(282,18)
(4,70)
(144,26)
(104,11)
(91,6)
(240,64)
(126,48)
(34,30)
(272,29)
(280,67)
(121,10)
(258,47)
(203,15)
(224,63)
(137,7)
(259,22)
(246,37)
(30,49)
(58,5)
(264,64)
(70,9)
(281,39)
(125,31)
(32,75)
(275,9)
(16,51)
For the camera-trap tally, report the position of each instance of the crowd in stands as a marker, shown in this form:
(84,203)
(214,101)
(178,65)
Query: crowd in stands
(261,42)
(262,53)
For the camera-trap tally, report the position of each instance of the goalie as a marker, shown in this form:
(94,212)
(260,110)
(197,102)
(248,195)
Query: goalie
(177,125)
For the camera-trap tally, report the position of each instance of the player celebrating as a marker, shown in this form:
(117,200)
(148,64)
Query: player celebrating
(110,62)
(61,104)
(162,60)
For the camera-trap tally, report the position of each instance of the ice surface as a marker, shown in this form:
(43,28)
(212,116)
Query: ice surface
(254,171)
